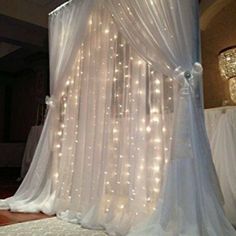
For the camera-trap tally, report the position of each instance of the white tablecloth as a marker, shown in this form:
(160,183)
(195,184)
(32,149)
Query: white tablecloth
(221,128)
(30,147)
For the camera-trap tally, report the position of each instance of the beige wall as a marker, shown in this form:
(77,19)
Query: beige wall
(219,34)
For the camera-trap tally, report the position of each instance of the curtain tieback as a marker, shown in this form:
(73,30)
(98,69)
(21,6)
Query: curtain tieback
(189,79)
(196,70)
(50,101)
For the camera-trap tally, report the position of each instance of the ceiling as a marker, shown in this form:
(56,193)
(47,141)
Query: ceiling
(7,48)
(31,11)
(43,3)
(24,32)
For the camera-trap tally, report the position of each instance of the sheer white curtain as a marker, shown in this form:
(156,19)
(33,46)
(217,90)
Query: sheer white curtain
(114,137)
(37,190)
(166,34)
(67,31)
(101,156)
(118,88)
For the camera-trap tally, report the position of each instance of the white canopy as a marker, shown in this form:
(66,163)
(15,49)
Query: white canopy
(125,110)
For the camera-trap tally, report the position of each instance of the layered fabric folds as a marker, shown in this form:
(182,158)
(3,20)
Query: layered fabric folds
(64,43)
(165,33)
(37,191)
(124,140)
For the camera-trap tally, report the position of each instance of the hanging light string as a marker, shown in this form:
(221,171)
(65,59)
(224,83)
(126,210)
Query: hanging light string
(138,135)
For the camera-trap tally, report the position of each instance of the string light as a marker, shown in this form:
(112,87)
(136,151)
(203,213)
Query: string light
(135,124)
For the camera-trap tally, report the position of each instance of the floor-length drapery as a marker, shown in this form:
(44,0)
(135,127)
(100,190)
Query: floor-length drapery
(125,109)
(37,191)
(183,205)
(120,134)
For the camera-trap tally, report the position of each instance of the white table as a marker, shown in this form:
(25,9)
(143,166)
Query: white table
(221,128)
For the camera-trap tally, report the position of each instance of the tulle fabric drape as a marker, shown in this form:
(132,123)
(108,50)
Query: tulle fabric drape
(37,191)
(64,43)
(117,141)
(166,34)
(105,141)
(125,108)
(189,203)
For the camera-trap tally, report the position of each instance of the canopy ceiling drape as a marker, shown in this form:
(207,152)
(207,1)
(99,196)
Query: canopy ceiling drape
(124,137)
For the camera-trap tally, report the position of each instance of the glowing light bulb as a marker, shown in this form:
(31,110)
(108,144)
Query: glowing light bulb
(157,180)
(157,140)
(158,158)
(156,190)
(155,119)
(115,130)
(148,129)
(156,168)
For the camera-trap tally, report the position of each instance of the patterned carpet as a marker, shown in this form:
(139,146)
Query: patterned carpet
(47,227)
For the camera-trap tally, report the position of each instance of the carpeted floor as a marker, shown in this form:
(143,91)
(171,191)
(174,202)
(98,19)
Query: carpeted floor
(47,227)
(23,224)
